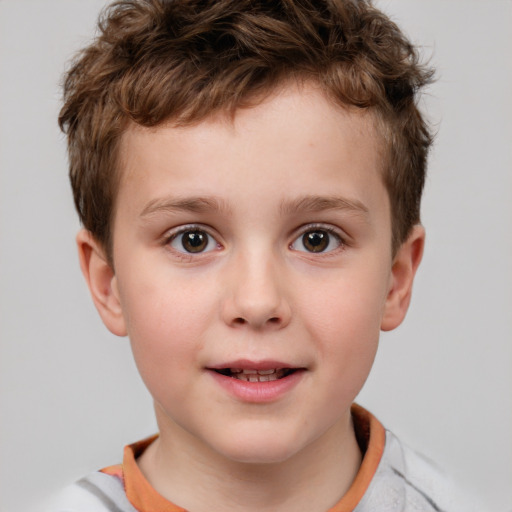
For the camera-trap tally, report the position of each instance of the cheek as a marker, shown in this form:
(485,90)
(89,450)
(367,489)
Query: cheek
(346,337)
(346,307)
(344,319)
(166,324)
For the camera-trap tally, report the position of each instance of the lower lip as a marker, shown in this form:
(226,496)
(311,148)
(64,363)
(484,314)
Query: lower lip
(258,392)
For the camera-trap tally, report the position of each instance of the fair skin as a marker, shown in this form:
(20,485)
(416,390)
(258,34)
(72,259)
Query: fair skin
(258,243)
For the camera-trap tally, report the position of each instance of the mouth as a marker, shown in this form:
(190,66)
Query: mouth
(252,375)
(263,381)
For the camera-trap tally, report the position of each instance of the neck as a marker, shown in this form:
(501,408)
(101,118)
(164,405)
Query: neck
(197,478)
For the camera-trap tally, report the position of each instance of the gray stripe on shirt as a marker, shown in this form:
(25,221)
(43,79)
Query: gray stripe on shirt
(109,490)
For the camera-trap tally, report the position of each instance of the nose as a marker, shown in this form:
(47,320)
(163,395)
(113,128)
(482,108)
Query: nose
(255,295)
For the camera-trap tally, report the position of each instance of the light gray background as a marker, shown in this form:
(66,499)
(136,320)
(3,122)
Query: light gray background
(70,395)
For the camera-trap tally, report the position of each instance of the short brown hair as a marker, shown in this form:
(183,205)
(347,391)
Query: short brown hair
(182,60)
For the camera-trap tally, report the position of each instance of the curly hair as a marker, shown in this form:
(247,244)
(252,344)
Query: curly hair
(155,61)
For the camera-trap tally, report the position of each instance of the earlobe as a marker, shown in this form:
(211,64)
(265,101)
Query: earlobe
(404,268)
(101,280)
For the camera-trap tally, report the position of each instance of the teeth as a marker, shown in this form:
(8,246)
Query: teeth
(259,375)
(266,372)
(254,372)
(252,375)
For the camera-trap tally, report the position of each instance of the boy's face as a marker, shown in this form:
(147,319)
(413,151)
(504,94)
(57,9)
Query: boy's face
(262,244)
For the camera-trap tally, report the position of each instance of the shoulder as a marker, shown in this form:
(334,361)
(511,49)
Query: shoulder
(409,482)
(97,492)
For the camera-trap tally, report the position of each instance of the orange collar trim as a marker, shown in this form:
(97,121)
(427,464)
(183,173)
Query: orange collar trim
(370,434)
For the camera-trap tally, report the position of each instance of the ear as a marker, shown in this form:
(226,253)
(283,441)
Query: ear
(404,268)
(101,280)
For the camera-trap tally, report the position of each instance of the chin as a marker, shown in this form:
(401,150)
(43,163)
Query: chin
(259,449)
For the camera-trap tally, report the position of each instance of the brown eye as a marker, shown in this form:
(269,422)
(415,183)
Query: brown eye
(317,241)
(193,241)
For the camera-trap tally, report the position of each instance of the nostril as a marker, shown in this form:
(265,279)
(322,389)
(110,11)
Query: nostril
(242,321)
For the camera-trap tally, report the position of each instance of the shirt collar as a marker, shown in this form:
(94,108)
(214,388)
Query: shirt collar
(370,435)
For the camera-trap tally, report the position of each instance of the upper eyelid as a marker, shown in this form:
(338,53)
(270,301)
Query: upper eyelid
(330,228)
(174,232)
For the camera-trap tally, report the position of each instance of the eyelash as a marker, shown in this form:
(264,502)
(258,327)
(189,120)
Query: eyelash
(298,238)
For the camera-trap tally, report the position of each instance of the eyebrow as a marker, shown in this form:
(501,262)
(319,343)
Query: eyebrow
(313,204)
(305,204)
(186,204)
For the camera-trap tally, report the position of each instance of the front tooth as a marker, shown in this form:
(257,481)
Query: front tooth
(253,378)
(266,372)
(250,372)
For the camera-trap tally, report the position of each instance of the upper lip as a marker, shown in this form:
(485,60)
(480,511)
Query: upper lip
(246,364)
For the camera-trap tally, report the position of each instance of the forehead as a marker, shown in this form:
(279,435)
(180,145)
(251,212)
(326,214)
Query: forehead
(291,135)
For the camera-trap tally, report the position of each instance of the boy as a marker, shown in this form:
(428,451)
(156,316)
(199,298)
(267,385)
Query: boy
(249,177)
